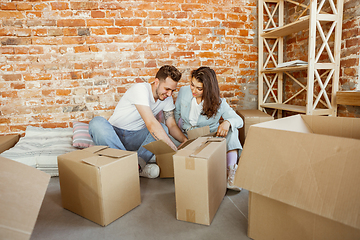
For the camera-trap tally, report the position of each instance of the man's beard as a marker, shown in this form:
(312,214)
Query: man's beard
(158,95)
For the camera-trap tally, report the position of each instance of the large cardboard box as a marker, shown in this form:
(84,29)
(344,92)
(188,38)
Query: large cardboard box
(8,141)
(200,179)
(22,189)
(164,152)
(303,174)
(99,183)
(250,117)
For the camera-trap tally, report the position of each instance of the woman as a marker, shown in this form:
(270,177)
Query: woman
(200,105)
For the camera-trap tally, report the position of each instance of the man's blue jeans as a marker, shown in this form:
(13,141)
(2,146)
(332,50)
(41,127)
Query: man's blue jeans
(103,133)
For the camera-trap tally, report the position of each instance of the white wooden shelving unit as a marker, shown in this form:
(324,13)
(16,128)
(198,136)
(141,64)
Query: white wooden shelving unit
(322,74)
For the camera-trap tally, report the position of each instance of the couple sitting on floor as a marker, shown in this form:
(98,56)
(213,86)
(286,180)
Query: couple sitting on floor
(133,123)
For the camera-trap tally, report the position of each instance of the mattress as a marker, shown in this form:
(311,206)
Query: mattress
(40,147)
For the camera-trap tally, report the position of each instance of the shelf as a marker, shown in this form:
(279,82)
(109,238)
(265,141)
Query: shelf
(321,27)
(295,27)
(286,107)
(284,69)
(348,98)
(295,108)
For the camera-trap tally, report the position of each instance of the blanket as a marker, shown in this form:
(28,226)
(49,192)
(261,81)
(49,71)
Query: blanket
(40,147)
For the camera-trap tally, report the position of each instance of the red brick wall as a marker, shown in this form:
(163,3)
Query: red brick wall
(73,60)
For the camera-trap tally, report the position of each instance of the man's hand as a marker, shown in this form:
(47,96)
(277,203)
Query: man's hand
(223,129)
(153,125)
(174,129)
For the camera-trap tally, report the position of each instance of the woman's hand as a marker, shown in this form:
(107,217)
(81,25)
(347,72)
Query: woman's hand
(223,129)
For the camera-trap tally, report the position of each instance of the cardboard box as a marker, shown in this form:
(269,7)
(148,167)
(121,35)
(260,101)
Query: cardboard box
(200,179)
(250,117)
(8,141)
(198,132)
(164,152)
(22,189)
(303,174)
(99,183)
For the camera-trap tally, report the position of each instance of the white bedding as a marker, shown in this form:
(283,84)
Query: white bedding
(40,147)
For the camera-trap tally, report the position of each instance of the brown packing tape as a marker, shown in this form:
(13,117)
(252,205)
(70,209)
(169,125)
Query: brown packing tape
(189,164)
(190,215)
(205,144)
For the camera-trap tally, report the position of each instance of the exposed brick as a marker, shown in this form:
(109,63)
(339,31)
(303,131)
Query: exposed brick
(99,22)
(11,77)
(73,40)
(7,50)
(79,49)
(37,76)
(71,23)
(128,22)
(33,14)
(63,92)
(16,41)
(59,5)
(84,5)
(114,30)
(41,6)
(8,6)
(12,23)
(46,41)
(9,94)
(98,14)
(94,40)
(83,32)
(42,22)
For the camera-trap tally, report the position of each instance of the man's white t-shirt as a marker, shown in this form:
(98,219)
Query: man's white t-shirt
(127,117)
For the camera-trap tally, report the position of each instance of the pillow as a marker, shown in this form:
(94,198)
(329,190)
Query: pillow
(81,136)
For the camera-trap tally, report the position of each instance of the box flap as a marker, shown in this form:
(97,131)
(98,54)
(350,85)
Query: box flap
(253,113)
(99,161)
(22,189)
(115,153)
(94,149)
(316,173)
(8,141)
(293,124)
(158,147)
(206,148)
(198,132)
(334,126)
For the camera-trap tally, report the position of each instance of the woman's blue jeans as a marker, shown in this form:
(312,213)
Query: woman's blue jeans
(103,133)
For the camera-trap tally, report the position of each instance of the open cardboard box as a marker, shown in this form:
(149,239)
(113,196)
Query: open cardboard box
(99,183)
(250,117)
(8,141)
(303,177)
(22,189)
(200,179)
(164,152)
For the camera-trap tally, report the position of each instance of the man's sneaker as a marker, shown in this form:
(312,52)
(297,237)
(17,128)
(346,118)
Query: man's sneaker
(231,170)
(150,171)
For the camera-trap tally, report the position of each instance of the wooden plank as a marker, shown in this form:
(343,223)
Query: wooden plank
(293,27)
(348,98)
(260,54)
(284,69)
(286,107)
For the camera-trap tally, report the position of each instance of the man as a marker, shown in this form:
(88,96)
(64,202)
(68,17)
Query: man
(133,123)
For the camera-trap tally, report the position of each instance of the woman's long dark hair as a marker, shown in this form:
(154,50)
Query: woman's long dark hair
(211,91)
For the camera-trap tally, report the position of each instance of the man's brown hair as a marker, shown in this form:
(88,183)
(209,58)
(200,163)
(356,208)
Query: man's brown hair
(168,71)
